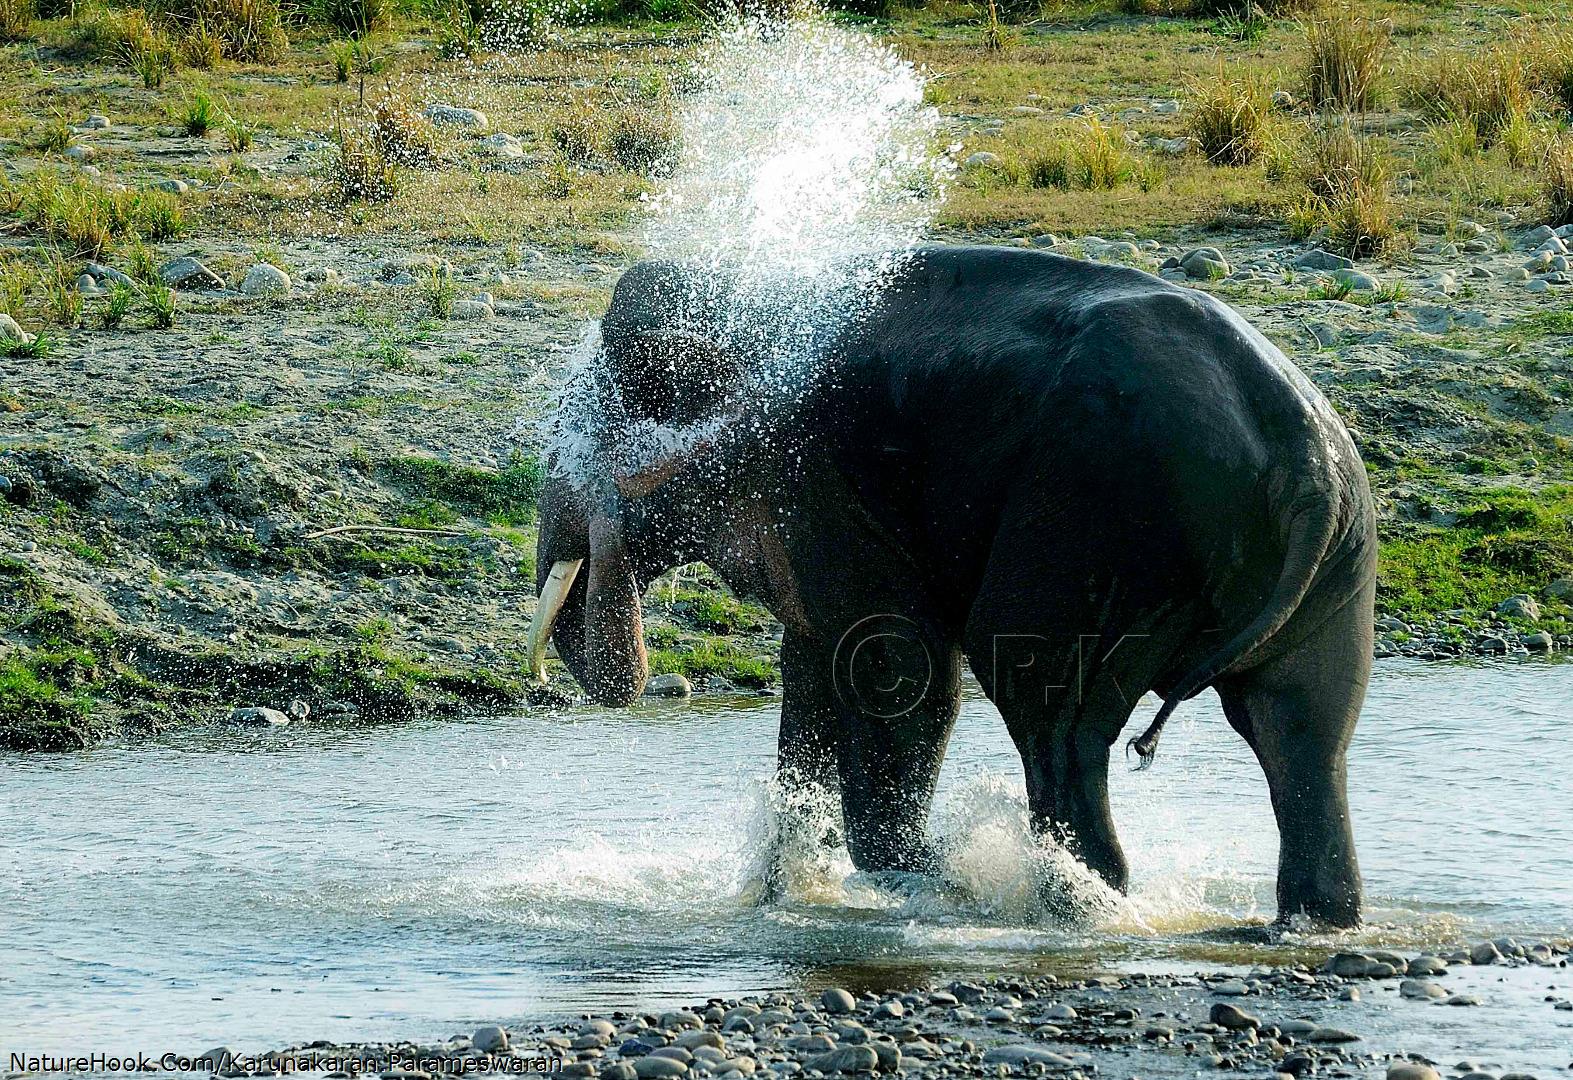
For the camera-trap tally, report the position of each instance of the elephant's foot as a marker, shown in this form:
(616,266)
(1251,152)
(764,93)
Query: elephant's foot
(1327,896)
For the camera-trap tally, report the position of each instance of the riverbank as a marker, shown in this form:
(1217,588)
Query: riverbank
(269,443)
(1337,1016)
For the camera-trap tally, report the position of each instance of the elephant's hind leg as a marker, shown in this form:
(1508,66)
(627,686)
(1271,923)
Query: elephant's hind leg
(1298,713)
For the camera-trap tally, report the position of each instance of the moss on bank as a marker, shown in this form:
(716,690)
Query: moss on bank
(1480,549)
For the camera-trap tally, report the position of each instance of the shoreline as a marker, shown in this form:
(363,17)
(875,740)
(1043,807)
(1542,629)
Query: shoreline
(1351,1014)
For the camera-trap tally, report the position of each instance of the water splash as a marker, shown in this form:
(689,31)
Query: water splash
(804,144)
(808,170)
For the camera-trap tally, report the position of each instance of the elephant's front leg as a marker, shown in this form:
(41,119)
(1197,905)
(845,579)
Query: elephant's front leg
(897,687)
(807,796)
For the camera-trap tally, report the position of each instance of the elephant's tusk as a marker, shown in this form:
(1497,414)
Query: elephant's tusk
(553,595)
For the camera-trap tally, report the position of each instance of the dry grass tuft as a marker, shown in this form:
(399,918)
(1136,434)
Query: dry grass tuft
(403,134)
(1488,90)
(1088,157)
(16,19)
(1228,119)
(577,135)
(1347,190)
(1556,178)
(642,141)
(360,169)
(249,30)
(1346,56)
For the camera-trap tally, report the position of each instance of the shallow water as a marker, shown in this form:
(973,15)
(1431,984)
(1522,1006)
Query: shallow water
(264,888)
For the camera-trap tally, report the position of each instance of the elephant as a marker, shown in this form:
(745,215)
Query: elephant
(1080,480)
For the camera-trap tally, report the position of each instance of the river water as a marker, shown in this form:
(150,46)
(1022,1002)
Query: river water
(410,881)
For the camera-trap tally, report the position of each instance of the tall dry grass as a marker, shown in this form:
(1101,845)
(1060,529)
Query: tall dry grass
(1346,54)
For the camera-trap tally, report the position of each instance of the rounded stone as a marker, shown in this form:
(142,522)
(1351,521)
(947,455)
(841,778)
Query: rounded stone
(265,279)
(490,1039)
(1411,1070)
(837,1001)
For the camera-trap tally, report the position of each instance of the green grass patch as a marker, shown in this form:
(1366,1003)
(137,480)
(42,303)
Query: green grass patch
(700,658)
(503,496)
(1504,542)
(37,712)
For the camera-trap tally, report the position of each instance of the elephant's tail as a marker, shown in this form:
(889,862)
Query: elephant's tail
(1310,533)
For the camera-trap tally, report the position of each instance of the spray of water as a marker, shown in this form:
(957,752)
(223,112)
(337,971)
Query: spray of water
(808,169)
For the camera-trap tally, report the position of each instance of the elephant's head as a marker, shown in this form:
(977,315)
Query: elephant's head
(654,394)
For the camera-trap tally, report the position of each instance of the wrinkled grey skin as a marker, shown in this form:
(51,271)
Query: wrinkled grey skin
(1080,480)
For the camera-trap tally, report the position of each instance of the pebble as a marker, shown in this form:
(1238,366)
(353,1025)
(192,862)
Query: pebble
(11,330)
(502,145)
(1206,263)
(186,273)
(981,159)
(1166,108)
(173,187)
(95,122)
(1231,988)
(1536,236)
(837,1002)
(651,1067)
(1233,1017)
(1356,279)
(849,1059)
(1411,1070)
(489,1039)
(477,310)
(456,116)
(1019,1054)
(265,279)
(1332,1035)
(1317,259)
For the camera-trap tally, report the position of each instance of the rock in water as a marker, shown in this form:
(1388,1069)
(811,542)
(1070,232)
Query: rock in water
(1233,1017)
(1421,991)
(258,716)
(1411,1070)
(490,1039)
(1018,1054)
(265,279)
(1349,965)
(650,1067)
(668,686)
(1485,952)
